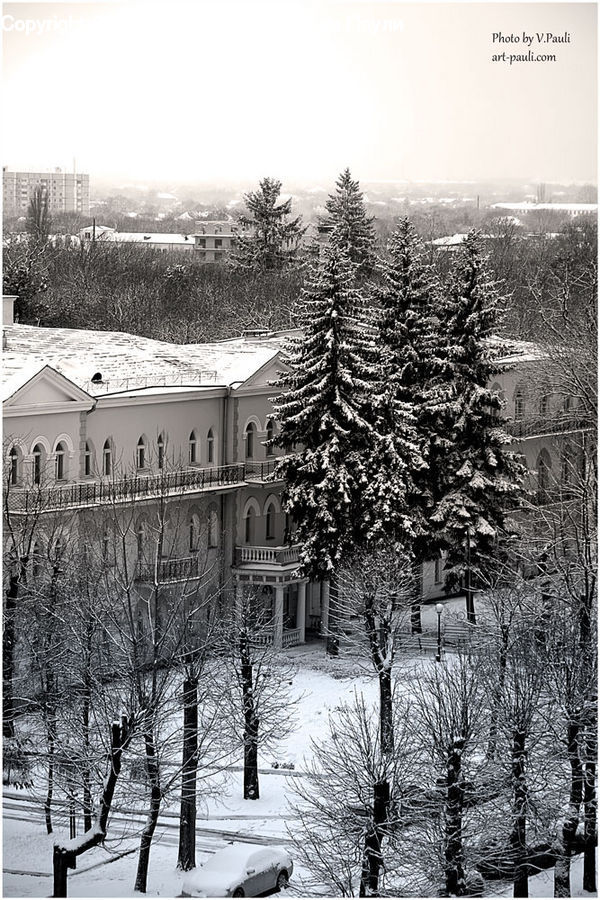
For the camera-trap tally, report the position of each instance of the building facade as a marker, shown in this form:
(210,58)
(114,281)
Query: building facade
(109,424)
(67,191)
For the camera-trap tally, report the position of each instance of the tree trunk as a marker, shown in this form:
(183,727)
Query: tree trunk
(373,857)
(64,856)
(498,692)
(454,854)
(152,770)
(8,657)
(518,838)
(251,723)
(187,816)
(386,712)
(562,869)
(50,789)
(590,810)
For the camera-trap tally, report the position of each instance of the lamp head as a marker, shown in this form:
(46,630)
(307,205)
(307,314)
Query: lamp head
(439,608)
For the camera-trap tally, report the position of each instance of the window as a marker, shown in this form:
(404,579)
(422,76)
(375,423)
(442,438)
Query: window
(14,465)
(544,405)
(161,452)
(105,545)
(201,242)
(194,534)
(213,528)
(210,445)
(249,526)
(519,405)
(218,242)
(107,458)
(140,456)
(87,459)
(59,461)
(543,466)
(270,522)
(270,435)
(192,449)
(568,403)
(249,439)
(140,541)
(37,559)
(38,453)
(439,564)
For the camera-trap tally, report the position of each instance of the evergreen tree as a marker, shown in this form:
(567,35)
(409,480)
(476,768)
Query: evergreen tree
(412,364)
(481,478)
(321,415)
(272,237)
(350,226)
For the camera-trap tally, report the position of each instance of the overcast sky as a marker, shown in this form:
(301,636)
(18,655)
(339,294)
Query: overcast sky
(227,90)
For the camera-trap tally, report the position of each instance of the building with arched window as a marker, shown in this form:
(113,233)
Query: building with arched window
(216,483)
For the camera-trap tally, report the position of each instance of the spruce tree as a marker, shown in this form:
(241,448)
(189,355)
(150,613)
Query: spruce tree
(321,415)
(481,478)
(350,226)
(408,297)
(272,238)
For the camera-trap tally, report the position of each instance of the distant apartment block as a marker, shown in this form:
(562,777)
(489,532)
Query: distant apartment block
(67,191)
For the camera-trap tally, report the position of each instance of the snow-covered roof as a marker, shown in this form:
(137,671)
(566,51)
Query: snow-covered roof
(144,237)
(127,362)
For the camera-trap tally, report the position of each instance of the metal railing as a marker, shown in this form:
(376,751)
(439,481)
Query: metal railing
(539,425)
(169,570)
(125,489)
(261,471)
(276,556)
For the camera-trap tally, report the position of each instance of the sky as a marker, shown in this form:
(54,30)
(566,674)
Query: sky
(228,90)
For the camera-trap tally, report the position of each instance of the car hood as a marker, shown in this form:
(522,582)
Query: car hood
(209,884)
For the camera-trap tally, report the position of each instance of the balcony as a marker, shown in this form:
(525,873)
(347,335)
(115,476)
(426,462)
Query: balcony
(169,570)
(126,490)
(259,472)
(536,426)
(291,637)
(267,556)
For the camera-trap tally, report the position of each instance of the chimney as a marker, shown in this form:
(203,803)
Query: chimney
(8,309)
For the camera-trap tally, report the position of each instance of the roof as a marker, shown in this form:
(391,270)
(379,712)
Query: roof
(145,237)
(127,362)
(525,206)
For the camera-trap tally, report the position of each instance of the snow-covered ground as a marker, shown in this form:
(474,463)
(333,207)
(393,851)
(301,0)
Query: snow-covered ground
(321,684)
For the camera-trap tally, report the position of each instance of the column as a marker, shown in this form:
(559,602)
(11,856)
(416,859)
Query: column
(278,623)
(301,611)
(325,608)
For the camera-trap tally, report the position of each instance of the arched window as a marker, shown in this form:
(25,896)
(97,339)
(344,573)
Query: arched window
(192,449)
(249,523)
(213,528)
(107,458)
(87,459)
(161,451)
(270,522)
(249,439)
(210,447)
(37,555)
(140,454)
(519,404)
(105,545)
(544,405)
(15,465)
(140,537)
(38,461)
(194,534)
(59,461)
(270,451)
(543,466)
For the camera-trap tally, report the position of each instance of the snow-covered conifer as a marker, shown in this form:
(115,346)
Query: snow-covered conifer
(351,228)
(271,238)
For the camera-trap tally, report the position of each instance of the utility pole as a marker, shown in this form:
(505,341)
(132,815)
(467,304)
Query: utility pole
(468,588)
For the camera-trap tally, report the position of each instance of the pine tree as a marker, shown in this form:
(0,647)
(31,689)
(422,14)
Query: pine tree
(350,226)
(321,415)
(412,363)
(272,237)
(482,479)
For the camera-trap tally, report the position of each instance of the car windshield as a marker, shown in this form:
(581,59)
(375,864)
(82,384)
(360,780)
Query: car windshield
(234,858)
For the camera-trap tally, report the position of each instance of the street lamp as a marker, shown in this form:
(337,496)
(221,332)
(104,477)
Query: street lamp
(439,608)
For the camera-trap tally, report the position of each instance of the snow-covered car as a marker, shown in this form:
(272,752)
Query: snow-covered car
(240,870)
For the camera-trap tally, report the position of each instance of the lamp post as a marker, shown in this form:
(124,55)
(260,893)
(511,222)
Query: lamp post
(439,610)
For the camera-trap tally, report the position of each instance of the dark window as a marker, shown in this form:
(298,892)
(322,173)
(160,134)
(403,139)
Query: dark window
(37,464)
(107,458)
(210,442)
(14,466)
(249,440)
(270,435)
(60,461)
(87,460)
(270,522)
(140,460)
(161,452)
(192,448)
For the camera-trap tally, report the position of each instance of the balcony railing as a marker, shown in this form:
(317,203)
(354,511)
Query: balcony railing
(538,425)
(273,556)
(291,637)
(261,471)
(167,570)
(128,488)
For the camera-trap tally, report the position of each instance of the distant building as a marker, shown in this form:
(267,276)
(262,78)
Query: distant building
(67,191)
(569,209)
(211,242)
